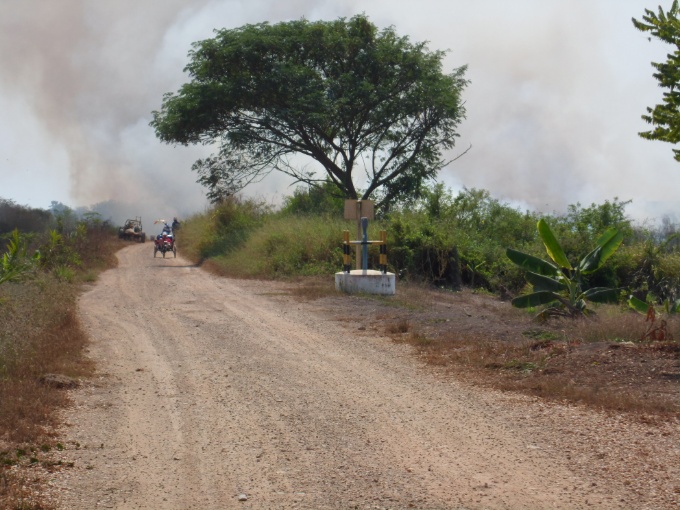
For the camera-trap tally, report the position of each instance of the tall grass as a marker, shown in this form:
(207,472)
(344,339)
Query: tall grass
(281,248)
(40,334)
(244,239)
(39,330)
(220,230)
(441,239)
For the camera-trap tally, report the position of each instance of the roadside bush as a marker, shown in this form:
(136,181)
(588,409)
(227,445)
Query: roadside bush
(581,226)
(668,277)
(650,266)
(222,229)
(440,238)
(16,263)
(419,248)
(458,240)
(287,246)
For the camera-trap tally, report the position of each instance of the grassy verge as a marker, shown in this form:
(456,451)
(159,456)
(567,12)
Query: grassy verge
(244,241)
(282,248)
(40,335)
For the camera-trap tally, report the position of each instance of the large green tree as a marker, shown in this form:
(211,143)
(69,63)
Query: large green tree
(665,117)
(373,111)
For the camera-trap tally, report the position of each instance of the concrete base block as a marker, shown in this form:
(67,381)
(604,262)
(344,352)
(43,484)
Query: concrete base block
(370,282)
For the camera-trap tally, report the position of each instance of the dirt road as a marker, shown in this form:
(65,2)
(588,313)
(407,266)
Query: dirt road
(215,394)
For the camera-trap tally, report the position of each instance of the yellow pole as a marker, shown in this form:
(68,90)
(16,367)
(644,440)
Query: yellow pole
(383,249)
(359,235)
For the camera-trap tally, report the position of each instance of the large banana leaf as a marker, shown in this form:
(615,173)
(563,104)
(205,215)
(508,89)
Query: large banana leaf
(535,299)
(552,246)
(602,295)
(607,244)
(638,304)
(531,263)
(541,282)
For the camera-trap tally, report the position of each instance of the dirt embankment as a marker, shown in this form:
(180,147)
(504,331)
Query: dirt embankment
(214,393)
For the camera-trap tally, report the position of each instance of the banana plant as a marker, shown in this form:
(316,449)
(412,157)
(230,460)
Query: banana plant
(669,307)
(657,328)
(15,262)
(559,284)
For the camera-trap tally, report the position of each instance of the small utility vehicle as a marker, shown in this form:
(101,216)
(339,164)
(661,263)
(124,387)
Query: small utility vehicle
(132,230)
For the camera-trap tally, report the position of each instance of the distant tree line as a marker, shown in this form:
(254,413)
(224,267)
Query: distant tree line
(24,218)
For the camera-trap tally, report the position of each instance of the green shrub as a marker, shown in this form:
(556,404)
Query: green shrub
(222,229)
(64,274)
(287,245)
(15,263)
(668,277)
(318,200)
(441,238)
(446,239)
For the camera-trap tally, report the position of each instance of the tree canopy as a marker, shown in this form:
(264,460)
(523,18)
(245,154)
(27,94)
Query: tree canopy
(665,117)
(373,109)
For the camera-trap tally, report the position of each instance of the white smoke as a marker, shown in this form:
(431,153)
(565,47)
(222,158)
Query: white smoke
(554,103)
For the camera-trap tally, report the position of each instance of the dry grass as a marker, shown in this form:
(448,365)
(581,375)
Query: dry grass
(18,492)
(398,327)
(98,252)
(600,362)
(39,335)
(43,338)
(311,288)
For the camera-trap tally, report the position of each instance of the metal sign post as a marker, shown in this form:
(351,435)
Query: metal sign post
(355,210)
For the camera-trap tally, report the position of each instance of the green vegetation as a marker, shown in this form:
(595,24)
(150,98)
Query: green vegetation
(352,100)
(453,241)
(314,200)
(665,117)
(23,218)
(15,262)
(560,285)
(443,239)
(246,239)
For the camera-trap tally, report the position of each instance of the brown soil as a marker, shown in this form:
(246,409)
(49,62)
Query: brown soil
(219,393)
(597,361)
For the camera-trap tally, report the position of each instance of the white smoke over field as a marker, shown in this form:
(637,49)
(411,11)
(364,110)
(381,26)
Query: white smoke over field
(554,103)
(91,72)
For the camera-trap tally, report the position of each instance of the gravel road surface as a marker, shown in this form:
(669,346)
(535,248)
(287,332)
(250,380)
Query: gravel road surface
(214,393)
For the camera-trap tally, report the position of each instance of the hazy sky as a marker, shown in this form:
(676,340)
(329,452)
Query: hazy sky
(554,102)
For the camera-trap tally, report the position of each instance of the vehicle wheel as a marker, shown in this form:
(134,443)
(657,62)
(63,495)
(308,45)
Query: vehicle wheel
(174,251)
(143,237)
(163,253)
(154,252)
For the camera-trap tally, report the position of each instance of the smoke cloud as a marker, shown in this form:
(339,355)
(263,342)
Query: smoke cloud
(553,107)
